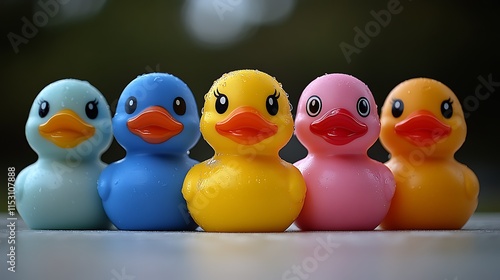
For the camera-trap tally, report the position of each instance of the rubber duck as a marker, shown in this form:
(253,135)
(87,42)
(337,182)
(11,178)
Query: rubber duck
(245,186)
(69,127)
(157,123)
(423,126)
(337,122)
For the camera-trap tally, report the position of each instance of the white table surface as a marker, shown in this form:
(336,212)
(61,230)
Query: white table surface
(470,253)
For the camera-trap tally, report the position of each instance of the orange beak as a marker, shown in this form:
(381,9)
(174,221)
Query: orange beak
(422,128)
(154,125)
(66,129)
(246,126)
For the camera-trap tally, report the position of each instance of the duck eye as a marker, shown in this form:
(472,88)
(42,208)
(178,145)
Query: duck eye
(272,103)
(179,106)
(221,103)
(91,109)
(363,107)
(130,105)
(397,108)
(446,108)
(43,109)
(313,106)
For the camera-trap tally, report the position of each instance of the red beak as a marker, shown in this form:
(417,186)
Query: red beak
(246,126)
(154,125)
(422,128)
(338,127)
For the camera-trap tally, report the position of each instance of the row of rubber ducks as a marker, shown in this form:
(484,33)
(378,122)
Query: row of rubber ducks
(245,186)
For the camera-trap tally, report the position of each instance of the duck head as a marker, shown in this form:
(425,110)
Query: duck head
(69,118)
(337,114)
(156,113)
(422,114)
(246,110)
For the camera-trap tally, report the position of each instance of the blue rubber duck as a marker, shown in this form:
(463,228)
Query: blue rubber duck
(157,123)
(69,127)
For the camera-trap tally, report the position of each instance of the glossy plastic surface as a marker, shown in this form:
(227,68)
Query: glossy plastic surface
(423,126)
(156,122)
(245,186)
(69,127)
(337,121)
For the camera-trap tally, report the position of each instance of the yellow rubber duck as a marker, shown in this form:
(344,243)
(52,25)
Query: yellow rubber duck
(422,126)
(245,186)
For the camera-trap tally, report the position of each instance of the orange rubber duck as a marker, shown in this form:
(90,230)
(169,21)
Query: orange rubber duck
(422,126)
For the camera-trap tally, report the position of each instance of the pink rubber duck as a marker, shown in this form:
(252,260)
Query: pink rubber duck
(337,121)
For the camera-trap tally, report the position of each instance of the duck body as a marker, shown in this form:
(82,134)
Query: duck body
(235,195)
(245,186)
(143,190)
(422,127)
(422,189)
(344,193)
(156,122)
(47,189)
(69,127)
(337,121)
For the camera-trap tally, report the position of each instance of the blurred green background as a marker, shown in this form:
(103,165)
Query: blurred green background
(109,43)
